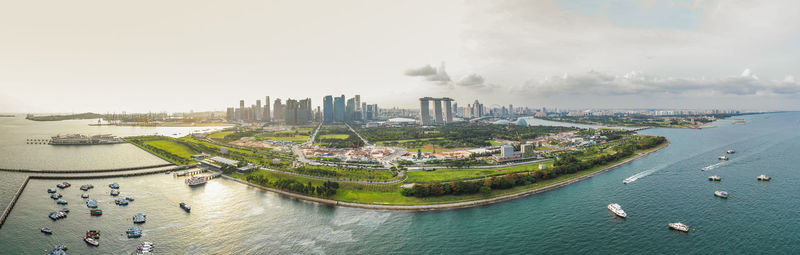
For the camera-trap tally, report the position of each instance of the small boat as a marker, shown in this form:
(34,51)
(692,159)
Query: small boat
(84,195)
(764,178)
(63,185)
(134,232)
(628,180)
(61,202)
(91,203)
(121,202)
(721,194)
(57,215)
(730,151)
(129,199)
(59,250)
(144,248)
(56,196)
(714,178)
(51,191)
(91,241)
(185,207)
(723,158)
(115,192)
(62,247)
(679,227)
(617,209)
(114,185)
(86,187)
(66,210)
(46,230)
(94,234)
(95,212)
(139,218)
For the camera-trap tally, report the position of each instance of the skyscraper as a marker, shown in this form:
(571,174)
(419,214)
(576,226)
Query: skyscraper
(327,109)
(358,102)
(448,110)
(277,111)
(266,117)
(424,111)
(437,111)
(338,109)
(258,110)
(350,110)
(240,116)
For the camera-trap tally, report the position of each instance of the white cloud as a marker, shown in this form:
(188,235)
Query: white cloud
(472,80)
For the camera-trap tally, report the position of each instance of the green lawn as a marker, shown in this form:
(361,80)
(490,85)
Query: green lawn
(333,136)
(220,135)
(460,174)
(295,138)
(171,146)
(495,143)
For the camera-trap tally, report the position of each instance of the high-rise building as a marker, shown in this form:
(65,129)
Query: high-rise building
(290,112)
(277,110)
(230,114)
(437,111)
(448,110)
(338,109)
(258,110)
(350,110)
(424,111)
(266,116)
(364,111)
(358,102)
(327,109)
(240,116)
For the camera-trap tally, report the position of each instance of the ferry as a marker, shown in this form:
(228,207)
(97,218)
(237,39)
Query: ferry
(115,192)
(84,195)
(91,241)
(78,139)
(764,178)
(196,181)
(721,194)
(63,185)
(723,157)
(51,191)
(95,212)
(57,215)
(91,203)
(56,196)
(185,207)
(121,202)
(86,187)
(714,178)
(61,202)
(139,218)
(114,185)
(46,230)
(679,227)
(134,232)
(617,209)
(730,151)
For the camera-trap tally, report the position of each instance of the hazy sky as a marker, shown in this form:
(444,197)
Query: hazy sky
(103,56)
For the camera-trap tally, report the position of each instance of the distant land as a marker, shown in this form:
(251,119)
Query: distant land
(7,115)
(79,116)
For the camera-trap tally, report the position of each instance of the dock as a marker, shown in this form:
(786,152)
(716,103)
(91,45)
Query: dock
(13,202)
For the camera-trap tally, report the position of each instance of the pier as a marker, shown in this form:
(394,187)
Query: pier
(13,202)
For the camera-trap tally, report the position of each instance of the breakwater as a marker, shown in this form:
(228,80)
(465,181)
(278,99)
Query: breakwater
(84,171)
(13,201)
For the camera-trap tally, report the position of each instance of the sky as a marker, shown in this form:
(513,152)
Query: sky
(181,55)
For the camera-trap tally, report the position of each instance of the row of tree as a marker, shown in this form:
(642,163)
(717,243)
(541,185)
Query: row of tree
(327,188)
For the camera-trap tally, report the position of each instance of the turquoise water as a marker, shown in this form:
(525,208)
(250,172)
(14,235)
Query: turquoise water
(230,218)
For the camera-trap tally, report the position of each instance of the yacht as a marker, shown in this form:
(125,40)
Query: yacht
(764,178)
(722,194)
(139,218)
(185,207)
(730,151)
(134,232)
(617,209)
(114,185)
(679,227)
(196,181)
(91,203)
(723,158)
(115,192)
(714,178)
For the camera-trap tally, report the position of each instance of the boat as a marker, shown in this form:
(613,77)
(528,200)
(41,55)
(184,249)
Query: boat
(714,178)
(129,199)
(196,181)
(91,241)
(51,191)
(59,250)
(721,194)
(94,234)
(764,178)
(79,139)
(628,180)
(730,151)
(114,185)
(723,158)
(115,192)
(84,195)
(134,232)
(57,215)
(61,202)
(139,218)
(185,207)
(617,209)
(144,248)
(63,185)
(56,196)
(66,210)
(95,212)
(46,230)
(121,202)
(91,203)
(679,227)
(86,187)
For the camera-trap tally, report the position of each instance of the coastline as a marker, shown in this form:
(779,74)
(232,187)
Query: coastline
(456,205)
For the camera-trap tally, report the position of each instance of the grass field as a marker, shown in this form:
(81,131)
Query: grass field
(295,138)
(220,135)
(173,147)
(470,173)
(334,136)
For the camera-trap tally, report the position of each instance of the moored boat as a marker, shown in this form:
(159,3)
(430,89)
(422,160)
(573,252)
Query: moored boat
(763,178)
(714,178)
(144,248)
(86,187)
(51,191)
(129,199)
(94,234)
(84,195)
(95,212)
(196,181)
(66,210)
(617,210)
(46,230)
(121,202)
(134,232)
(139,218)
(91,203)
(722,194)
(114,185)
(56,196)
(57,215)
(115,192)
(63,185)
(679,227)
(91,241)
(61,202)
(185,207)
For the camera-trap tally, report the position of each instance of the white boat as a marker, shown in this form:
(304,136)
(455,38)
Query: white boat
(714,178)
(679,227)
(139,218)
(628,180)
(617,209)
(764,178)
(196,181)
(730,151)
(723,157)
(91,241)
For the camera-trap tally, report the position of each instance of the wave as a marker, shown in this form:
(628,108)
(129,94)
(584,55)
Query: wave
(640,175)
(714,166)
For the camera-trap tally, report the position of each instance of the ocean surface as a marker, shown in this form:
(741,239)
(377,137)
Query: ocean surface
(230,218)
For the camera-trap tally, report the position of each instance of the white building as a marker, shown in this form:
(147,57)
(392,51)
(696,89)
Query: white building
(506,151)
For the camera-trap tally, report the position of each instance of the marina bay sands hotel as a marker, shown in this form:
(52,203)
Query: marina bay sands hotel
(440,117)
